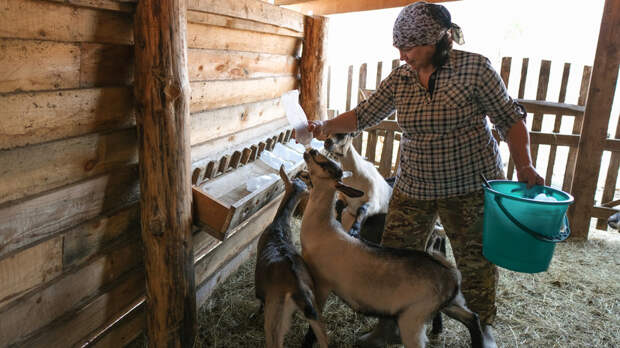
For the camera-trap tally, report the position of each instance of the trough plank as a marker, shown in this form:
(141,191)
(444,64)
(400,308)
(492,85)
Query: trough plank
(26,221)
(238,23)
(73,329)
(215,148)
(212,124)
(206,65)
(32,118)
(105,65)
(236,241)
(82,242)
(31,267)
(220,38)
(30,65)
(219,94)
(22,318)
(254,10)
(30,19)
(34,169)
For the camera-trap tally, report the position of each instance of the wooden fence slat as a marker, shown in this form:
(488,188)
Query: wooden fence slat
(329,88)
(541,94)
(505,70)
(524,66)
(349,88)
(569,172)
(371,146)
(379,72)
(385,167)
(557,123)
(609,189)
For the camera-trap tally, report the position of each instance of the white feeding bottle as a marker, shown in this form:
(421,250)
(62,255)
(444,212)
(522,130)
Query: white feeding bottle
(296,116)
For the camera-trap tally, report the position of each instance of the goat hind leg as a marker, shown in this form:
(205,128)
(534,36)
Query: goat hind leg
(278,313)
(459,311)
(412,325)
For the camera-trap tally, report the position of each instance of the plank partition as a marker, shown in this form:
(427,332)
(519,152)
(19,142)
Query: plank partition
(378,142)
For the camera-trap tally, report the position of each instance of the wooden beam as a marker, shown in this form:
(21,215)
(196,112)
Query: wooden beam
(313,73)
(325,7)
(596,119)
(162,97)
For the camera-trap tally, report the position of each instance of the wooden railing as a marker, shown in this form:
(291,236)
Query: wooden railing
(378,143)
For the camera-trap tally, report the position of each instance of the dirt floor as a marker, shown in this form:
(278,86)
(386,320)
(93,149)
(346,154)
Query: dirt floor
(576,303)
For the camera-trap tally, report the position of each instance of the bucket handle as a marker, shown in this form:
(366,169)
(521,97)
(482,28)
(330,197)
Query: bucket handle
(557,238)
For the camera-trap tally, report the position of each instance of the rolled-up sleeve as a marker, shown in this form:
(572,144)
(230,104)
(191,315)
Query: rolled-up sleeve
(377,107)
(494,99)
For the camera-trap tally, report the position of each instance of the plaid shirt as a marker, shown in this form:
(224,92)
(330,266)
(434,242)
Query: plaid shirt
(447,142)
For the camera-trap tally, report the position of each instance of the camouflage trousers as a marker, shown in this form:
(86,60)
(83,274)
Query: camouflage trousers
(410,221)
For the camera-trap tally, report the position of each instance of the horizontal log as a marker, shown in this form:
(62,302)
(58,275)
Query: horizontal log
(110,5)
(215,148)
(32,118)
(27,221)
(258,11)
(238,23)
(554,139)
(86,240)
(34,169)
(29,268)
(213,124)
(236,241)
(72,329)
(219,94)
(71,292)
(124,330)
(31,19)
(206,65)
(220,38)
(325,7)
(601,212)
(204,290)
(30,65)
(547,107)
(612,145)
(105,65)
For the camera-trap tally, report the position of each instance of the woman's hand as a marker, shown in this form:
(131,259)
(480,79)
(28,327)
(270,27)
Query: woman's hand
(317,128)
(529,175)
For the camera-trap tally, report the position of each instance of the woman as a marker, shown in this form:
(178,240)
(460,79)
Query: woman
(442,98)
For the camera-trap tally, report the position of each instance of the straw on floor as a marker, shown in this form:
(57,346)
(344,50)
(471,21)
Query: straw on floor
(576,303)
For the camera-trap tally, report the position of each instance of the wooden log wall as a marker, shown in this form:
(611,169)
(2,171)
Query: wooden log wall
(71,264)
(70,251)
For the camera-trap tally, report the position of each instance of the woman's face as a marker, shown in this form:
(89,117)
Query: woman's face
(418,56)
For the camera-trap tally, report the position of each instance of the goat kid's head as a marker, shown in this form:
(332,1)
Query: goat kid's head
(338,144)
(324,171)
(293,187)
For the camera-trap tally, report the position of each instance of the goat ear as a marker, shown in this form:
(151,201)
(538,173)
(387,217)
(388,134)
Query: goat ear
(348,190)
(287,182)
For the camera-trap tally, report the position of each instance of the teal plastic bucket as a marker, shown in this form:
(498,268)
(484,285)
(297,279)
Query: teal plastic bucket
(520,232)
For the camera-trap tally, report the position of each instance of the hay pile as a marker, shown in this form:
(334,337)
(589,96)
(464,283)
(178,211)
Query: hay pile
(575,304)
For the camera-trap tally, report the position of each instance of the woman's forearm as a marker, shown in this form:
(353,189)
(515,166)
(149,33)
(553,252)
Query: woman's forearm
(518,140)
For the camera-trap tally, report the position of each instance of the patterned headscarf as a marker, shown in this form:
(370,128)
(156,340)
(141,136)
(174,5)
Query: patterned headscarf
(423,23)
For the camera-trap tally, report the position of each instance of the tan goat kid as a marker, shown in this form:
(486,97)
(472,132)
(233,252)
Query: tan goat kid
(407,285)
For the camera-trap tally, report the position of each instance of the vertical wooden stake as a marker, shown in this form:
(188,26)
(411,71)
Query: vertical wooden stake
(313,63)
(596,119)
(162,97)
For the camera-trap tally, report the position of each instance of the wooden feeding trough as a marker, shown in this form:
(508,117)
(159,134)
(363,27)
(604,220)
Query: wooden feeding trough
(222,203)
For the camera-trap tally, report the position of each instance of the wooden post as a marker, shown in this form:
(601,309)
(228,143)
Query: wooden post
(596,119)
(313,63)
(162,97)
